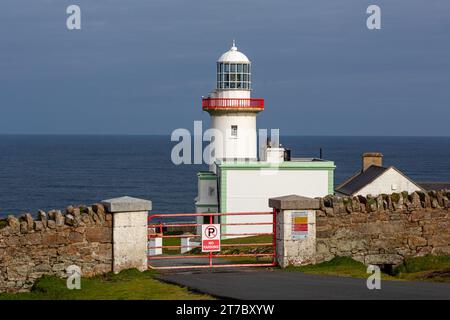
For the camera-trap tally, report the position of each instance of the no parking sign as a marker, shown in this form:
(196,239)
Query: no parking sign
(210,237)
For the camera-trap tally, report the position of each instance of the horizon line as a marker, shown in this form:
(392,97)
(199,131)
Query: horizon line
(168,134)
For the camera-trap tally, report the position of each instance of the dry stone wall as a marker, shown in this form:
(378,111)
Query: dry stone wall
(383,229)
(47,245)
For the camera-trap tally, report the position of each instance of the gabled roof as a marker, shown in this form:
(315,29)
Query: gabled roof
(360,180)
(364,178)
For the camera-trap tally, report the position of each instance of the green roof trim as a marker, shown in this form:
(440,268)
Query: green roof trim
(317,165)
(331,182)
(206,175)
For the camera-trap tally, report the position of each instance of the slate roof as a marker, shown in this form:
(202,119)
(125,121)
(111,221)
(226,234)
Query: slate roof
(360,180)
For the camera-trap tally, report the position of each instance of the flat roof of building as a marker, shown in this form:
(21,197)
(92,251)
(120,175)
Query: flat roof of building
(299,163)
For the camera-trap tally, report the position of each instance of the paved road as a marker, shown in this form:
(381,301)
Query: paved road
(273,285)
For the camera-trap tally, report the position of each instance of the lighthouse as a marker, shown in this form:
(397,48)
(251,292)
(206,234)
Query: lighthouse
(239,181)
(232,109)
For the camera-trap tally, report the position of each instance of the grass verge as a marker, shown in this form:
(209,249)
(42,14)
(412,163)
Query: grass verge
(339,266)
(427,268)
(127,285)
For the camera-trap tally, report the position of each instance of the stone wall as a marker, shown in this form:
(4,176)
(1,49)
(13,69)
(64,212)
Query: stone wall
(30,248)
(383,229)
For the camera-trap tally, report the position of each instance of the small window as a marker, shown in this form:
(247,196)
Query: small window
(234,131)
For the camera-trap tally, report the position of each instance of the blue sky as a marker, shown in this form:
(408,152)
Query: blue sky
(141,67)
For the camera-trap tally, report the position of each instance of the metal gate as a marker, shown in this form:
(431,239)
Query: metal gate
(169,249)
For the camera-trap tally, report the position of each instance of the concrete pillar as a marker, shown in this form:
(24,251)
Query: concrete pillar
(152,244)
(129,232)
(296,229)
(187,244)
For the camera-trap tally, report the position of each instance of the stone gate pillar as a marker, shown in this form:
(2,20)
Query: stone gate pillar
(129,232)
(296,229)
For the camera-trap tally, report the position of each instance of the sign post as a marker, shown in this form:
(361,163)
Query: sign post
(210,237)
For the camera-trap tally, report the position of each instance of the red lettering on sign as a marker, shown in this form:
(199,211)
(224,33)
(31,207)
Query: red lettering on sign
(211,244)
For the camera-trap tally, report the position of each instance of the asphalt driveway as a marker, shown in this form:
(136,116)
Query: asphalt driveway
(277,285)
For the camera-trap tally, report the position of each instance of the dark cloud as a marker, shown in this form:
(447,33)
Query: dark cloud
(140,67)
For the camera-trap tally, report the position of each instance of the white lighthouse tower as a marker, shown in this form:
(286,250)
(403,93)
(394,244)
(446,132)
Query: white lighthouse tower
(233,111)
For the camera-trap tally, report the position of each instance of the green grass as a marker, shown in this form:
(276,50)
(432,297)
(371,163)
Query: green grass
(171,242)
(426,263)
(428,268)
(127,285)
(3,223)
(339,266)
(250,249)
(254,239)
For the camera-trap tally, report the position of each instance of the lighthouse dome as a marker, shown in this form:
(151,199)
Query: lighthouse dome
(233,55)
(233,71)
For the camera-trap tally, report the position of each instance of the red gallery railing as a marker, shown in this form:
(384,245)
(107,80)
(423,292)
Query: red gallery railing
(232,103)
(207,260)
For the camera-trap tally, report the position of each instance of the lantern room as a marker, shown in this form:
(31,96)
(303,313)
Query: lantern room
(233,85)
(233,70)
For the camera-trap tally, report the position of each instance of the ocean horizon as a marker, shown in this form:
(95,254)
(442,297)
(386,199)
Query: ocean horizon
(53,171)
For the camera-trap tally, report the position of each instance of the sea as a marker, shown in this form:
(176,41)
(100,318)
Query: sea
(51,172)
